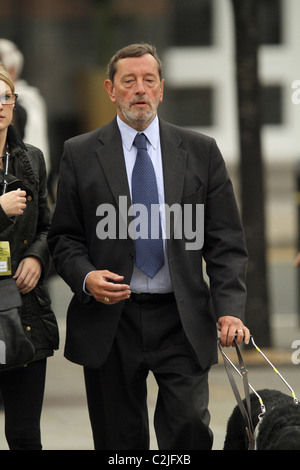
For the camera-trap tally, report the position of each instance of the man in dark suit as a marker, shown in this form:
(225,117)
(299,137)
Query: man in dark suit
(121,321)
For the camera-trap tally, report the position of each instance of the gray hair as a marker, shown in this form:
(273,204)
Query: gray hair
(11,57)
(133,50)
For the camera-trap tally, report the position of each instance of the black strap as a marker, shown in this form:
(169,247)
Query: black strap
(245,410)
(5,176)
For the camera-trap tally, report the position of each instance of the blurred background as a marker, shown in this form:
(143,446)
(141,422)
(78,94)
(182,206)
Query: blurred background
(67,44)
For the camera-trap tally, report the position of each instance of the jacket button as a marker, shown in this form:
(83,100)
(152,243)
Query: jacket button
(28,328)
(29,198)
(25,242)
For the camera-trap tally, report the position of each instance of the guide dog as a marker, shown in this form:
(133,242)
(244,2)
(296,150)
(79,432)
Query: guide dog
(279,428)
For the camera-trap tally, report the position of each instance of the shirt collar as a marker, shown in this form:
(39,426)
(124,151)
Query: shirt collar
(128,133)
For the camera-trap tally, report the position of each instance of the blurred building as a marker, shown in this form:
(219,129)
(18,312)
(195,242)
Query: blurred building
(58,40)
(201,70)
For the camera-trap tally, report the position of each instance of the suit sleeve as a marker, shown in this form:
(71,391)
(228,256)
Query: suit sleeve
(224,247)
(66,238)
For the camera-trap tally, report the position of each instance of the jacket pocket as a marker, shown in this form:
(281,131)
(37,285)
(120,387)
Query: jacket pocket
(48,324)
(39,320)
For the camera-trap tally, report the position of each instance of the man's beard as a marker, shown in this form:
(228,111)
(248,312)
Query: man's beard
(138,118)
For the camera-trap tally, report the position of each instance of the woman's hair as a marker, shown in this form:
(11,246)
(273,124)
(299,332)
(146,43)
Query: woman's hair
(5,77)
(134,50)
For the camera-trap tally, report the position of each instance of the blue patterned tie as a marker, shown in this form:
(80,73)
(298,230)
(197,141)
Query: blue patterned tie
(149,251)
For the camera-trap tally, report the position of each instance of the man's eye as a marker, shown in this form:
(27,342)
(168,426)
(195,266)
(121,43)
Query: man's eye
(150,81)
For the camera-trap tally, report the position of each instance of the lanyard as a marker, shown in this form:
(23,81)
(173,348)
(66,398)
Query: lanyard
(7,155)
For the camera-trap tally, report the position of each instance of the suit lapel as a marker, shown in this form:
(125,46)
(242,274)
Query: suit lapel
(174,165)
(110,154)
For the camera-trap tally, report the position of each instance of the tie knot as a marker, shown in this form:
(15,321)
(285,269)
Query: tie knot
(140,141)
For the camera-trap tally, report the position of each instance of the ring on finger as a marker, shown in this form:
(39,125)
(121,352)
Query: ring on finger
(106,299)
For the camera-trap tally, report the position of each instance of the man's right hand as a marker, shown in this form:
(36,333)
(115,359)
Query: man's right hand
(106,287)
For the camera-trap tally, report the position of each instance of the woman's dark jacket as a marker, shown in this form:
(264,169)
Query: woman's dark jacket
(27,236)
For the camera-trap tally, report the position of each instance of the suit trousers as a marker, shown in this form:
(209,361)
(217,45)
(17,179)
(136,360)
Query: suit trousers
(150,337)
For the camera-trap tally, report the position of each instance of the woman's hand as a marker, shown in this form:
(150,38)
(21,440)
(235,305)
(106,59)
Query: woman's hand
(28,274)
(14,202)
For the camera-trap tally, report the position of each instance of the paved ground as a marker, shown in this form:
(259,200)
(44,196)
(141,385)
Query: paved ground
(65,422)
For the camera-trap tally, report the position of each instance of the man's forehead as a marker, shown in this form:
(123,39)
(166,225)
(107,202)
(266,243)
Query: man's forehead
(143,64)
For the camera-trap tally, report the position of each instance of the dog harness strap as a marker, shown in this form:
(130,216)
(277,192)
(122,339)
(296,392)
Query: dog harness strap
(244,372)
(245,410)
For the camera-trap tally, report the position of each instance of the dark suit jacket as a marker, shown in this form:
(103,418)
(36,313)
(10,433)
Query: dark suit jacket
(93,173)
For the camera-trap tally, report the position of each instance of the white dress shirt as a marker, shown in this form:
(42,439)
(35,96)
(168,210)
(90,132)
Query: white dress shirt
(140,282)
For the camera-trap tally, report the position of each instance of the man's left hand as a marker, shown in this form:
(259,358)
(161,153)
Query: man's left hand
(232,328)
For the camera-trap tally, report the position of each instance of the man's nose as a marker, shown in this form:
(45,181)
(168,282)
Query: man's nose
(140,87)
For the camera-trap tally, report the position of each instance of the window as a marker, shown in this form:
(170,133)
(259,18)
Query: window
(190,107)
(192,23)
(270,27)
(272,105)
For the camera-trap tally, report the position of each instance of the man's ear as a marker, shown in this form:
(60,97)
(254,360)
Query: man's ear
(109,87)
(161,91)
